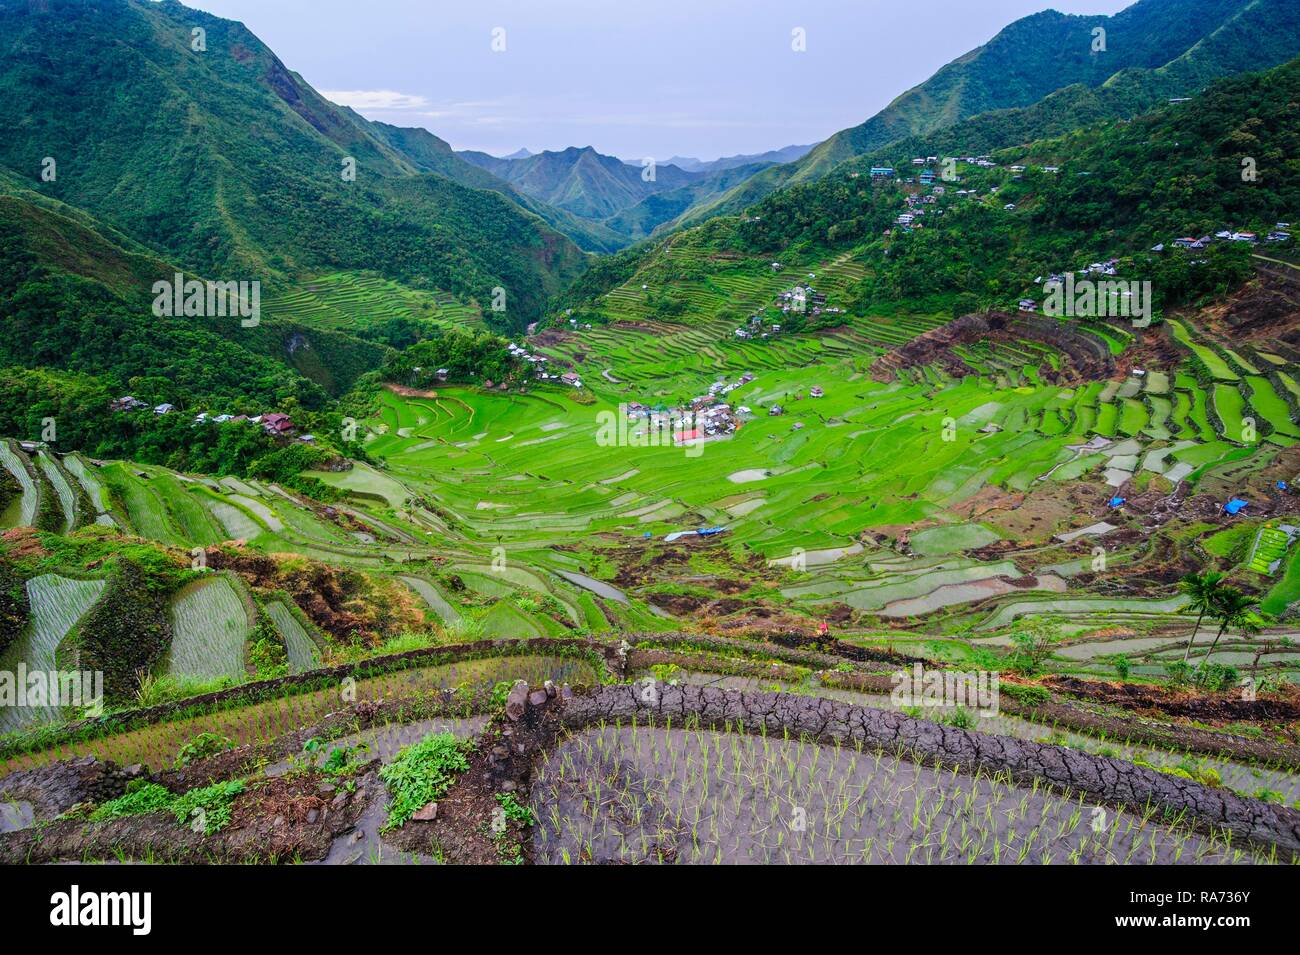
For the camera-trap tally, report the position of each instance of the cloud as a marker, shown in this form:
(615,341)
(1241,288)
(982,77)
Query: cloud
(376,99)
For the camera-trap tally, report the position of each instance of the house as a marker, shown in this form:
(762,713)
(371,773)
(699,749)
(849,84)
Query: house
(1158,248)
(1279,236)
(164,408)
(882,172)
(307,438)
(440,374)
(223,418)
(572,379)
(1010,207)
(276,423)
(775,410)
(127,403)
(816,391)
(1028,305)
(1190,243)
(1250,237)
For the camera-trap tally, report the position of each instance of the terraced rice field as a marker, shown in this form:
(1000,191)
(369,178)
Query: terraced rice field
(57,604)
(156,746)
(210,626)
(301,650)
(355,301)
(640,794)
(24,512)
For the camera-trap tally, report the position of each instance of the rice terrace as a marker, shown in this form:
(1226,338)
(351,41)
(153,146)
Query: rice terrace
(562,509)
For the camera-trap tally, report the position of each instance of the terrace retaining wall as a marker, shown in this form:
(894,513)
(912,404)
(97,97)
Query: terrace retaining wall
(1107,780)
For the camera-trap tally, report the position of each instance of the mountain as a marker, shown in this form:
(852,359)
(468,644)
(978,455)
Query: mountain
(228,164)
(1193,41)
(582,181)
(1110,190)
(521,153)
(771,157)
(604,203)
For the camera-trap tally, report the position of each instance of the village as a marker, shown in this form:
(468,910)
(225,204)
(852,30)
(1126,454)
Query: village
(920,204)
(274,423)
(801,299)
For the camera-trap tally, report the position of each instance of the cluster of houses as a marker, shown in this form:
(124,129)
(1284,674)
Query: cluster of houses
(799,299)
(539,363)
(274,423)
(708,415)
(1280,233)
(1108,268)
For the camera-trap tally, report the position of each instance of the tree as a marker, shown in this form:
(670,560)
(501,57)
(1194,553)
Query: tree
(1033,644)
(1234,609)
(1203,589)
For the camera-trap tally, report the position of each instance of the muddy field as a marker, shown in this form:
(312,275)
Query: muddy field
(638,794)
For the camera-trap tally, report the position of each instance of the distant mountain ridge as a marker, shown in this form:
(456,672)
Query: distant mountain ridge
(1192,41)
(225,162)
(782,155)
(613,202)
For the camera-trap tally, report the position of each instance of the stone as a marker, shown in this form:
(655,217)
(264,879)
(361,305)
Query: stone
(312,816)
(517,700)
(537,697)
(427,813)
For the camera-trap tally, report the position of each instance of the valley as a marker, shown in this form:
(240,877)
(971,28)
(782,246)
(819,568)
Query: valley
(789,509)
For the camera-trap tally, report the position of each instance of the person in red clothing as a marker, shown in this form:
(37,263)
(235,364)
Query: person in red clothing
(822,629)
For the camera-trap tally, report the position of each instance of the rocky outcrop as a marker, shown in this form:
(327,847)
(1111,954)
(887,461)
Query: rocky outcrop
(1084,357)
(57,787)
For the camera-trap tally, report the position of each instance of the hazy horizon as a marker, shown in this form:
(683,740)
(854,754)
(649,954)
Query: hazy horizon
(678,79)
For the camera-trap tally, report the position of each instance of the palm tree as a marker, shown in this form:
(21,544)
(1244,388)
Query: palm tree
(1202,588)
(1234,609)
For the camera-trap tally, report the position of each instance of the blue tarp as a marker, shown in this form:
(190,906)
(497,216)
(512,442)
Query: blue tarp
(1116,501)
(702,532)
(1235,505)
(1281,485)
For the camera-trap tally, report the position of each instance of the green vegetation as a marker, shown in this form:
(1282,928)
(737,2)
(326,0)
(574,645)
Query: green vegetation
(422,773)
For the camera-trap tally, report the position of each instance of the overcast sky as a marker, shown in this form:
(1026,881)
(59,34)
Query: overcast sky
(697,78)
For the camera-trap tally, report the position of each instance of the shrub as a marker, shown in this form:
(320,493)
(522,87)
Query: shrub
(138,800)
(14,606)
(201,747)
(127,632)
(422,773)
(210,807)
(1028,695)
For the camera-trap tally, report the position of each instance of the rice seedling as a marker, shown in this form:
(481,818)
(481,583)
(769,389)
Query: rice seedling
(636,793)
